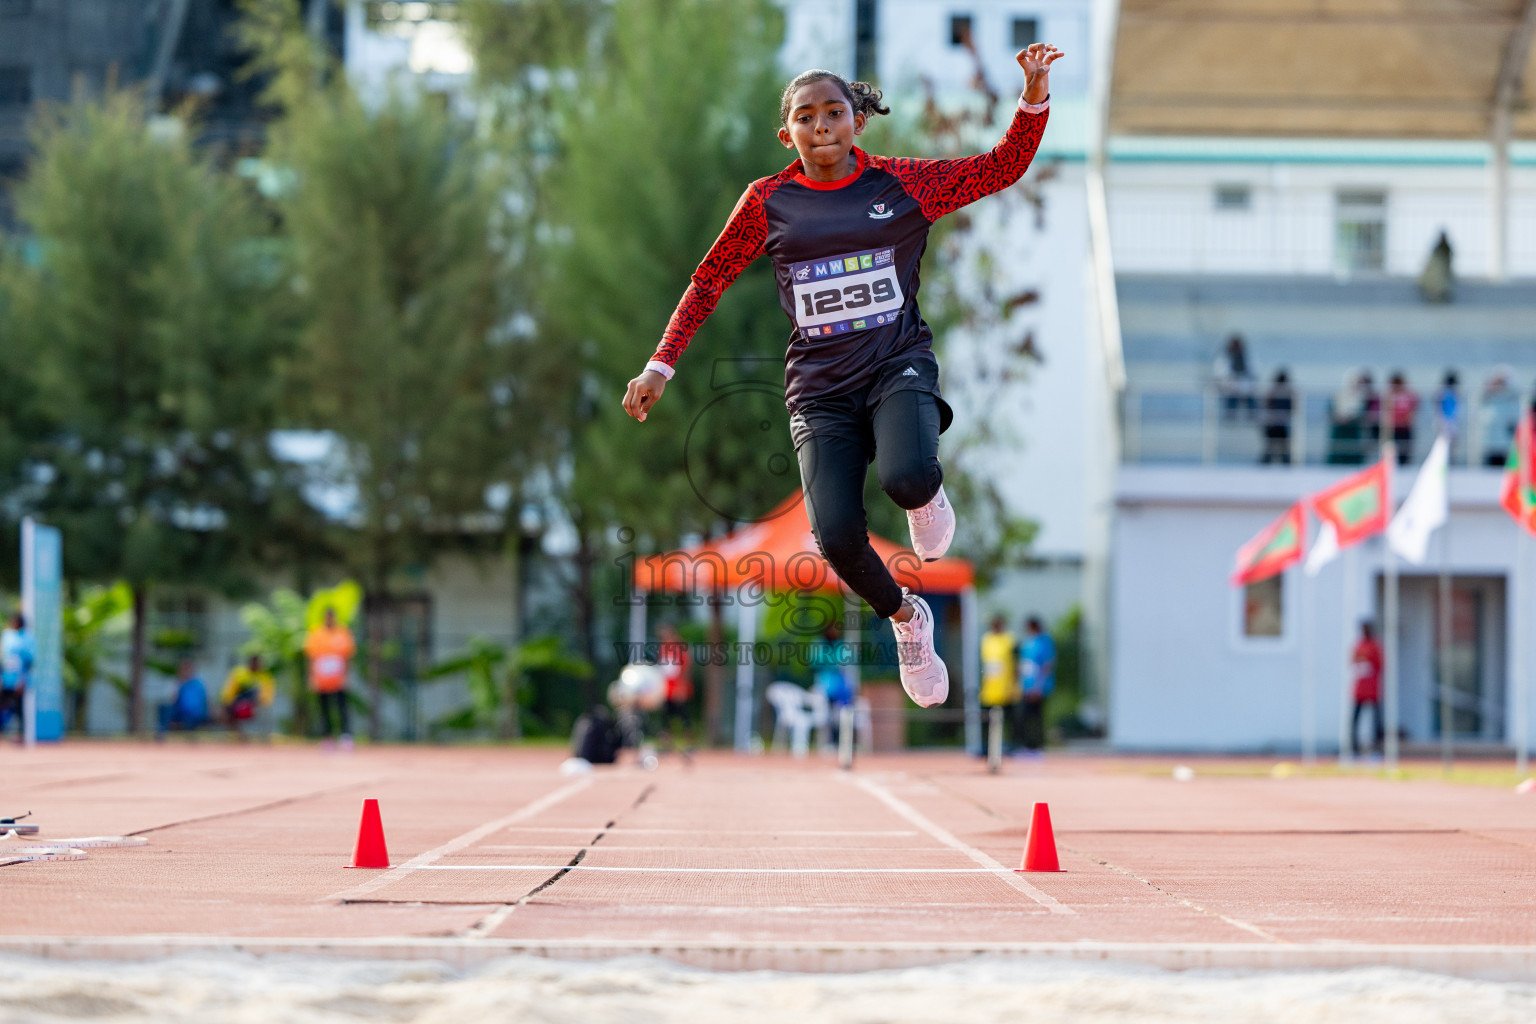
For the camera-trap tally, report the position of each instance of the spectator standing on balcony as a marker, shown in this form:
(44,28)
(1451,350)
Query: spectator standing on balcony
(1500,417)
(1438,281)
(1402,408)
(1370,434)
(1448,409)
(1346,416)
(1279,405)
(1233,378)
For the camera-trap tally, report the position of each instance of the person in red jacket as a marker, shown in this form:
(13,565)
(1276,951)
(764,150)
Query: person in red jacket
(677,669)
(846,231)
(1367,664)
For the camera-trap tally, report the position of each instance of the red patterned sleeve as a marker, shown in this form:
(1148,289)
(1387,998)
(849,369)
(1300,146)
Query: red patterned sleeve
(738,245)
(944,186)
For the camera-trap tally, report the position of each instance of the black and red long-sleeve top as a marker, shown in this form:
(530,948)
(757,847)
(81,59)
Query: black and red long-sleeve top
(846,255)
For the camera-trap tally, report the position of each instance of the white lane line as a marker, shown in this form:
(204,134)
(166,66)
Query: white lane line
(912,815)
(593,829)
(719,871)
(474,835)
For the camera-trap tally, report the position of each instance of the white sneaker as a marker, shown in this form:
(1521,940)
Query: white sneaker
(924,675)
(932,526)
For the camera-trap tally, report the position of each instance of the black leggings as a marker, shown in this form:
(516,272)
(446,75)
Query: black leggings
(902,439)
(334,705)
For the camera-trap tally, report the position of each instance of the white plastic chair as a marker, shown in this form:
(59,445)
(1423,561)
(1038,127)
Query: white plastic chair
(792,716)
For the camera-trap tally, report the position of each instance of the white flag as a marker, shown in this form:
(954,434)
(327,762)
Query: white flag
(1324,549)
(1426,508)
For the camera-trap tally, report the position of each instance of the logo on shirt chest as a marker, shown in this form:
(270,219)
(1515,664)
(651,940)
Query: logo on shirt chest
(880,211)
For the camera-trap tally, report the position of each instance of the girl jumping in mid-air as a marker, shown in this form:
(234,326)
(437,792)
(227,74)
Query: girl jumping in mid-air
(846,232)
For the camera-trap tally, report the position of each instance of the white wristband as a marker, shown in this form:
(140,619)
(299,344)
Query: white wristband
(1035,108)
(661,368)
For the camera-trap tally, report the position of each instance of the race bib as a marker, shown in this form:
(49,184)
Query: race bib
(329,666)
(852,292)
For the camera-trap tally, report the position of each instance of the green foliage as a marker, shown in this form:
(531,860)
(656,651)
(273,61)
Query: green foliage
(278,629)
(634,207)
(503,683)
(404,352)
(93,624)
(149,325)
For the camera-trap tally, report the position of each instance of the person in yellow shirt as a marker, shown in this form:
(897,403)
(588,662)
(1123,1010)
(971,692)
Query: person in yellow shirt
(999,668)
(247,689)
(329,648)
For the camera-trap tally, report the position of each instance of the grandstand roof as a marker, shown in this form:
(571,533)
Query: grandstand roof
(1357,68)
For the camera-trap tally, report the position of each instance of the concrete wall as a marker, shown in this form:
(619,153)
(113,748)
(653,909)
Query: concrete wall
(1183,676)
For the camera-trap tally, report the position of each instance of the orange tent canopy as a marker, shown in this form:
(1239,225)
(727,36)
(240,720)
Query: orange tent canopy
(779,553)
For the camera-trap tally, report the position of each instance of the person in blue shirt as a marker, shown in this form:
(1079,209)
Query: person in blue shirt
(16,656)
(190,708)
(1037,677)
(829,673)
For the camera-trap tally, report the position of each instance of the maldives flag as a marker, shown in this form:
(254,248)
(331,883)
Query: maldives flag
(1358,507)
(1278,546)
(1518,495)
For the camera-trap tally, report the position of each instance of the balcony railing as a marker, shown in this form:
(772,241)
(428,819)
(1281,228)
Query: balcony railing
(1217,425)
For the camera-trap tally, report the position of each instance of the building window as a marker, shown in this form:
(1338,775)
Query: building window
(1234,197)
(1025,31)
(179,622)
(960,30)
(15,86)
(864,40)
(1361,234)
(1264,609)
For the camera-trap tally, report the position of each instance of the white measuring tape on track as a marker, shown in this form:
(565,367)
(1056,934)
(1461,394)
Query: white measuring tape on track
(61,849)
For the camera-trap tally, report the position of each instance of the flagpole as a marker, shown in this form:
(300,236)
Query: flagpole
(1346,708)
(1308,675)
(1447,713)
(1389,652)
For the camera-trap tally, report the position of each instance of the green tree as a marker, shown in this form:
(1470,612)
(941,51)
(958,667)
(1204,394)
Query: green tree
(408,353)
(152,327)
(278,629)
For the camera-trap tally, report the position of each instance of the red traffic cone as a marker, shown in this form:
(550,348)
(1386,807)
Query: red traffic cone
(370,851)
(1040,845)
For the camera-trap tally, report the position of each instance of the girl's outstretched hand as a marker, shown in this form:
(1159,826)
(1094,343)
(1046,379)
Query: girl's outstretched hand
(1036,60)
(644,392)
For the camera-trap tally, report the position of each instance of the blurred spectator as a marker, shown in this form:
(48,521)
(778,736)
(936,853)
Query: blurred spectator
(1234,380)
(1448,408)
(830,675)
(16,657)
(1000,672)
(1367,663)
(1346,416)
(1402,409)
(189,710)
(1500,415)
(677,670)
(329,647)
(1438,281)
(1038,669)
(247,689)
(1370,430)
(1279,405)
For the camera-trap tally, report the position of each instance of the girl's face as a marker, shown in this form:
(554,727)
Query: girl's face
(821,125)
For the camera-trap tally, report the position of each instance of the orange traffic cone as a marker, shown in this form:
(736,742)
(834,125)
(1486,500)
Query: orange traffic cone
(370,851)
(1040,845)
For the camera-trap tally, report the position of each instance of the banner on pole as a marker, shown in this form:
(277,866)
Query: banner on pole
(1427,507)
(1276,548)
(1357,506)
(42,602)
(1518,495)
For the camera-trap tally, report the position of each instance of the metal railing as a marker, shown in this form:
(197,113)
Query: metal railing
(1215,425)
